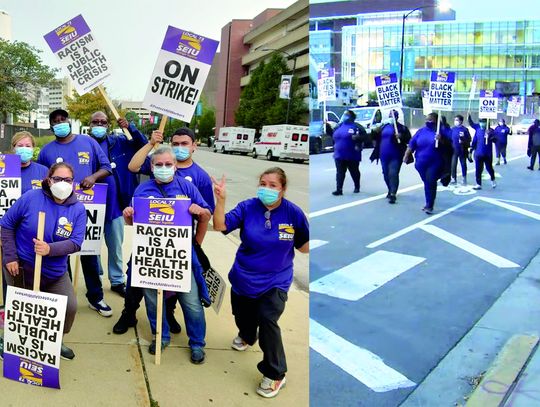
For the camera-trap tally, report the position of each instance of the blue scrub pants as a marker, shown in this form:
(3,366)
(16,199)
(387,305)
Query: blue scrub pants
(391,168)
(114,237)
(463,161)
(430,174)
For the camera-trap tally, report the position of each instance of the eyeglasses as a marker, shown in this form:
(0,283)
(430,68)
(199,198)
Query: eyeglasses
(100,122)
(166,165)
(55,179)
(267,223)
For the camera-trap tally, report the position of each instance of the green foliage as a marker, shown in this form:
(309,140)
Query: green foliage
(347,85)
(132,117)
(82,107)
(21,69)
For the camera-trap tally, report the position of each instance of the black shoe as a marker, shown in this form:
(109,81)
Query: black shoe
(530,168)
(356,190)
(429,211)
(152,347)
(66,353)
(392,199)
(498,163)
(336,193)
(123,324)
(197,356)
(174,326)
(119,289)
(388,195)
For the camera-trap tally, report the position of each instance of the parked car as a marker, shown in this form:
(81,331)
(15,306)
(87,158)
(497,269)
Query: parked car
(523,126)
(320,137)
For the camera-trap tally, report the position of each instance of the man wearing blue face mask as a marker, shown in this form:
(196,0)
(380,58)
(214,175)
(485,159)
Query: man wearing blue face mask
(121,185)
(482,145)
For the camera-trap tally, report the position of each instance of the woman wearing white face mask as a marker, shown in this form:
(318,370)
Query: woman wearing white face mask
(32,173)
(65,227)
(271,227)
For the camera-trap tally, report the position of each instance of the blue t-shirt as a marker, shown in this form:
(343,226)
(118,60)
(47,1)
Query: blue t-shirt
(32,175)
(62,222)
(483,143)
(390,149)
(264,259)
(501,134)
(83,153)
(460,138)
(344,145)
(423,144)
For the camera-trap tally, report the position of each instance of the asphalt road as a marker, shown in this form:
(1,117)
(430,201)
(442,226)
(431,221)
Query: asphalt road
(392,289)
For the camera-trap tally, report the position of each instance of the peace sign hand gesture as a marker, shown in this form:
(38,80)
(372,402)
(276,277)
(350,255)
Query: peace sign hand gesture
(219,188)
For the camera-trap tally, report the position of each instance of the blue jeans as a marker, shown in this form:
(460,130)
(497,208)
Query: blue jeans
(193,315)
(429,174)
(114,237)
(391,173)
(90,269)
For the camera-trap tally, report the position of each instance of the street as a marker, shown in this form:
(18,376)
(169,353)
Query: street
(392,289)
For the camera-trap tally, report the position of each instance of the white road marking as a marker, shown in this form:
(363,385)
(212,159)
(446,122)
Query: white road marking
(314,243)
(360,363)
(518,202)
(469,247)
(360,278)
(512,208)
(329,169)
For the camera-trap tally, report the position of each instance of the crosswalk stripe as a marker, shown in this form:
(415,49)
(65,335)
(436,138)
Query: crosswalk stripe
(512,208)
(314,243)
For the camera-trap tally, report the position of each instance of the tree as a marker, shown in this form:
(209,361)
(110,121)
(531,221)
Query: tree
(21,70)
(415,100)
(82,107)
(347,85)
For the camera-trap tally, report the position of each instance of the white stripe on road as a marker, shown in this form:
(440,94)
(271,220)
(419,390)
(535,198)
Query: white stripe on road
(314,243)
(365,275)
(512,208)
(408,229)
(360,363)
(473,249)
(518,202)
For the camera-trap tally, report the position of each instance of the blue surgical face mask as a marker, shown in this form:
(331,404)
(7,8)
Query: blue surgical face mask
(181,153)
(483,125)
(346,117)
(26,153)
(431,125)
(62,129)
(163,174)
(268,196)
(99,131)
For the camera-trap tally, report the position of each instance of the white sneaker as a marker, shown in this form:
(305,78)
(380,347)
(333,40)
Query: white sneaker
(464,182)
(270,388)
(102,308)
(477,187)
(493,184)
(239,344)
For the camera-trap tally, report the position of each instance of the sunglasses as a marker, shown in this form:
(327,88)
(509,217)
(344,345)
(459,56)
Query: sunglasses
(100,122)
(55,179)
(267,223)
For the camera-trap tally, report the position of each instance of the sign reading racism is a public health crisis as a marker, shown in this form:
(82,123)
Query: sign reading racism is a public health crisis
(181,69)
(10,181)
(216,287)
(94,200)
(79,53)
(162,244)
(514,106)
(388,91)
(488,105)
(33,327)
(441,90)
(326,85)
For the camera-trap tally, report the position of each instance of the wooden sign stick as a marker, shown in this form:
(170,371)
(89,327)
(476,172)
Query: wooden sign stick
(76,273)
(159,323)
(438,129)
(163,123)
(37,266)
(113,109)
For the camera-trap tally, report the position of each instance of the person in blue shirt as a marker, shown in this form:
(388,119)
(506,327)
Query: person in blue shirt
(482,145)
(461,141)
(65,227)
(533,144)
(271,228)
(90,165)
(32,173)
(120,187)
(429,157)
(502,131)
(348,151)
(166,184)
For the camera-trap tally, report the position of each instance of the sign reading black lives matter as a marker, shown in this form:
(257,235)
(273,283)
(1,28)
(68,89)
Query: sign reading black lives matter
(388,91)
(181,69)
(33,336)
(81,58)
(94,201)
(10,181)
(162,244)
(441,90)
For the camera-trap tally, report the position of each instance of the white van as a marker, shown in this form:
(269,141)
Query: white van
(234,140)
(283,141)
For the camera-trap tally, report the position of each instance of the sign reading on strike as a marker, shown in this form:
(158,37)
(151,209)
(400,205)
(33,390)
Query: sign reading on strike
(162,244)
(79,53)
(94,200)
(388,91)
(441,90)
(326,85)
(216,287)
(33,336)
(181,69)
(488,105)
(514,106)
(10,181)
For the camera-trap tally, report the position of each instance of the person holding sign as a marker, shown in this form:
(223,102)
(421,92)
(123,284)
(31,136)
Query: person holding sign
(90,165)
(165,184)
(502,131)
(482,145)
(533,144)
(120,187)
(461,141)
(65,226)
(32,173)
(428,145)
(271,227)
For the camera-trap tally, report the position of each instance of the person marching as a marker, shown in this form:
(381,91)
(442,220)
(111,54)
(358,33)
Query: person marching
(90,165)
(65,227)
(482,145)
(502,131)
(271,227)
(533,145)
(461,141)
(120,187)
(32,173)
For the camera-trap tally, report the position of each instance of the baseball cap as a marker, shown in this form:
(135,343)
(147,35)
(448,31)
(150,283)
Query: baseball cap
(184,131)
(57,112)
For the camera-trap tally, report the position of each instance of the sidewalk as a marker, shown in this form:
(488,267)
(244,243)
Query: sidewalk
(108,369)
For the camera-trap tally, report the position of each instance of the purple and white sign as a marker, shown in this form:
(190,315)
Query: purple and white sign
(514,106)
(33,336)
(183,63)
(10,181)
(489,103)
(441,90)
(388,91)
(94,200)
(162,244)
(326,85)
(78,51)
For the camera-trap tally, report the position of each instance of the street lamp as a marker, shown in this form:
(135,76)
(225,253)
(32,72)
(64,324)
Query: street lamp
(443,6)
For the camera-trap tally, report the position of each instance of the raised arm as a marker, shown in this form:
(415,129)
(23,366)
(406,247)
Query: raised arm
(138,159)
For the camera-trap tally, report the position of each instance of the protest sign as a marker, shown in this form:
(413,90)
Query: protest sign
(33,336)
(326,85)
(285,87)
(514,106)
(441,90)
(162,244)
(94,200)
(387,89)
(10,181)
(183,63)
(488,105)
(426,108)
(216,287)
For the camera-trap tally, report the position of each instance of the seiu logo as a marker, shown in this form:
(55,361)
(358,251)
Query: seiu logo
(84,157)
(66,33)
(442,76)
(385,80)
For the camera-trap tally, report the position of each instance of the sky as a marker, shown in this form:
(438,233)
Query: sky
(129,32)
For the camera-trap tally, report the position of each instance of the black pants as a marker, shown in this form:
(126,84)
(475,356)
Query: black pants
(463,161)
(500,149)
(90,269)
(391,170)
(263,313)
(133,297)
(341,169)
(535,150)
(430,174)
(480,162)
